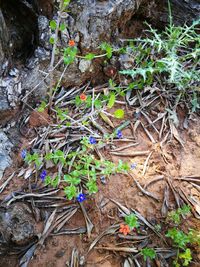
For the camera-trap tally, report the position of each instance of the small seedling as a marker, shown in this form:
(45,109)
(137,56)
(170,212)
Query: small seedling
(175,216)
(132,221)
(148,253)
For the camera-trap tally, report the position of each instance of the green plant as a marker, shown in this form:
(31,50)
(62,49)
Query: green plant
(175,216)
(86,169)
(186,257)
(34,158)
(148,253)
(171,56)
(132,221)
(181,240)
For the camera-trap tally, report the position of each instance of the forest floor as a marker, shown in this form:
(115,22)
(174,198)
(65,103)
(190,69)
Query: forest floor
(168,171)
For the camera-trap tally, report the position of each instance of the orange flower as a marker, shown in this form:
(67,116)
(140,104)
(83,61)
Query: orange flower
(83,97)
(124,229)
(71,43)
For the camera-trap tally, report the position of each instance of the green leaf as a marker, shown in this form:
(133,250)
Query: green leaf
(72,180)
(98,104)
(53,24)
(119,113)
(108,48)
(186,256)
(179,238)
(78,101)
(51,40)
(69,55)
(90,56)
(59,156)
(92,186)
(132,221)
(148,253)
(55,181)
(62,27)
(66,3)
(42,106)
(70,191)
(47,180)
(111,101)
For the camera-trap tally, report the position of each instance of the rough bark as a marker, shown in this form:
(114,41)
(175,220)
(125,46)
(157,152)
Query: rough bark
(24,37)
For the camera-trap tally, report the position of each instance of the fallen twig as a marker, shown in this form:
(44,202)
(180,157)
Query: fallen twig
(143,190)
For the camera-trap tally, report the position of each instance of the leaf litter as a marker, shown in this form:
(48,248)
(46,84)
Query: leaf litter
(158,127)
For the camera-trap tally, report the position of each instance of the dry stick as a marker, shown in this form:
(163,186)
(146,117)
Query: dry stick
(142,189)
(2,187)
(165,205)
(146,163)
(98,126)
(188,179)
(48,228)
(31,195)
(131,154)
(149,121)
(124,147)
(161,116)
(189,202)
(123,249)
(162,127)
(148,134)
(58,84)
(196,186)
(154,181)
(89,224)
(176,195)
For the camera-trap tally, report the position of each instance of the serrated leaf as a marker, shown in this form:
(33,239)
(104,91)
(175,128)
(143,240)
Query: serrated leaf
(132,221)
(119,113)
(108,48)
(111,101)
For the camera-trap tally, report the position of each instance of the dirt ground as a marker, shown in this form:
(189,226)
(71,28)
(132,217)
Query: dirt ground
(171,161)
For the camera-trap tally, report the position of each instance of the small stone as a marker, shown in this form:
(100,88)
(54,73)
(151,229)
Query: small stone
(43,23)
(14,72)
(60,254)
(84,65)
(17,224)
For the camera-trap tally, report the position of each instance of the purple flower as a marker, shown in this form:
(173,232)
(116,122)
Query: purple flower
(119,134)
(92,140)
(103,179)
(43,175)
(23,153)
(133,166)
(81,197)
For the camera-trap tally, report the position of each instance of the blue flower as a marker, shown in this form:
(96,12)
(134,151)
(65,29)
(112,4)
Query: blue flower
(92,140)
(119,134)
(81,197)
(23,153)
(43,175)
(133,166)
(103,179)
